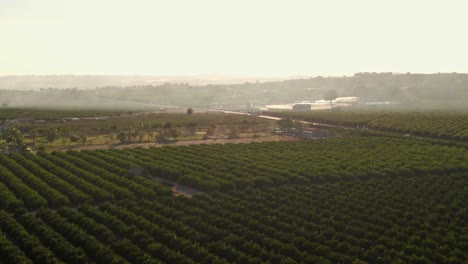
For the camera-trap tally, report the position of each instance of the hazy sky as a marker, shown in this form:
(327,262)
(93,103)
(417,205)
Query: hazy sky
(236,37)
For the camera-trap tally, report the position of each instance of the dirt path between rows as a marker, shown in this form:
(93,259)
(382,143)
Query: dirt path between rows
(181,143)
(178,189)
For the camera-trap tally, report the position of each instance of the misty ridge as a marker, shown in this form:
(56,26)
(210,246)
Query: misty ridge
(36,82)
(440,90)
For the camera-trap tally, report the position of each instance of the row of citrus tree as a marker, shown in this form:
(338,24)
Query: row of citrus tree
(86,177)
(36,181)
(444,125)
(240,166)
(419,219)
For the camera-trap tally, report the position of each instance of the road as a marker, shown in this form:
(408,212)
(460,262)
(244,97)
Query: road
(214,110)
(270,117)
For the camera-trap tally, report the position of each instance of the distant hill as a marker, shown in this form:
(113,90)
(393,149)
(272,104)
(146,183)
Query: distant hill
(35,82)
(440,90)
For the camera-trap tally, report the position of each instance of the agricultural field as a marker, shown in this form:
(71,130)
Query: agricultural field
(443,125)
(338,200)
(54,114)
(233,132)
(238,166)
(136,127)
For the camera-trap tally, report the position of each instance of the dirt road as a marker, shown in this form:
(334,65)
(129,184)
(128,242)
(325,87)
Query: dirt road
(181,143)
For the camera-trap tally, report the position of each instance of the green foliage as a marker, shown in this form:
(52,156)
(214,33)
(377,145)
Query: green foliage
(10,253)
(341,200)
(12,140)
(8,200)
(207,167)
(444,125)
(286,123)
(191,126)
(29,243)
(122,136)
(52,135)
(48,114)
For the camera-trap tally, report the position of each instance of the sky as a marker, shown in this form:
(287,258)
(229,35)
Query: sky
(239,37)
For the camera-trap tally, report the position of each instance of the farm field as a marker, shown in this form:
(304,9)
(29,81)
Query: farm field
(60,131)
(238,166)
(53,114)
(233,132)
(443,125)
(242,139)
(391,220)
(338,200)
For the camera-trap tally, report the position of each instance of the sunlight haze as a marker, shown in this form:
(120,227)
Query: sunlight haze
(261,38)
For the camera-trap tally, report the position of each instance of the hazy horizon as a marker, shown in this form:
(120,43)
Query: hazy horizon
(220,76)
(241,38)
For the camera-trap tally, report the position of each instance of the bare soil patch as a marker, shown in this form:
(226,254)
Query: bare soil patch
(182,143)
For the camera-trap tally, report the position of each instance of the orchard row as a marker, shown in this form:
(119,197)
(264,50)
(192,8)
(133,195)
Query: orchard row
(240,166)
(442,125)
(420,219)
